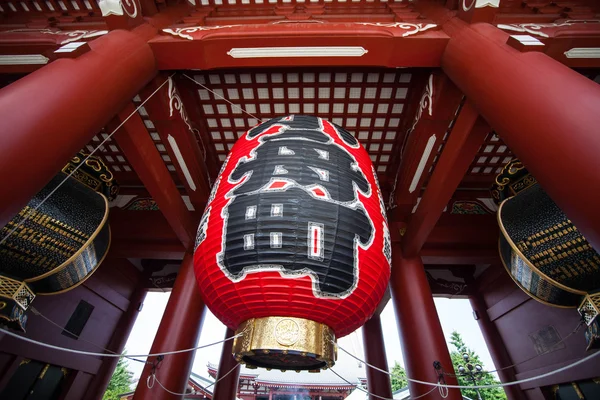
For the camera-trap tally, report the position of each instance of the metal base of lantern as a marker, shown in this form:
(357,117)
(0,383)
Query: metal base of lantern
(15,298)
(590,312)
(285,343)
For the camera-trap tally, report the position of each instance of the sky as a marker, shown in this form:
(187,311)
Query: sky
(455,314)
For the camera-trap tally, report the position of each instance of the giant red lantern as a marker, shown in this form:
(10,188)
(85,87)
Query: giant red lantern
(293,248)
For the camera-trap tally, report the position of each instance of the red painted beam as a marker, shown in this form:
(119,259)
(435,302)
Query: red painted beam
(189,98)
(140,151)
(420,329)
(464,141)
(383,46)
(377,382)
(539,123)
(52,113)
(437,108)
(179,329)
(227,386)
(168,113)
(143,234)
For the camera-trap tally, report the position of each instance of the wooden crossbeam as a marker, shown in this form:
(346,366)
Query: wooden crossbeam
(138,147)
(466,138)
(168,115)
(439,102)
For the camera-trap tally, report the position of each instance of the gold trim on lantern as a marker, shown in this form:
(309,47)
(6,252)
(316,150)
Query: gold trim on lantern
(81,250)
(533,296)
(589,308)
(285,334)
(85,278)
(16,290)
(527,262)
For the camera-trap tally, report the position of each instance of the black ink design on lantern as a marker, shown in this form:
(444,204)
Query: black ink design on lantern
(296,207)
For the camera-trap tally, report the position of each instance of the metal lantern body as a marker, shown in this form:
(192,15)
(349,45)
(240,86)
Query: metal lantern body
(542,250)
(61,243)
(293,248)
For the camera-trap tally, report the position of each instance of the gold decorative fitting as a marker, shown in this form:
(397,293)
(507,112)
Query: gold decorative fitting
(17,291)
(590,307)
(93,173)
(285,343)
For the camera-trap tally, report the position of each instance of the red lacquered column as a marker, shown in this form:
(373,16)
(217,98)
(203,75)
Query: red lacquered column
(179,329)
(545,112)
(497,349)
(378,382)
(420,330)
(227,386)
(49,115)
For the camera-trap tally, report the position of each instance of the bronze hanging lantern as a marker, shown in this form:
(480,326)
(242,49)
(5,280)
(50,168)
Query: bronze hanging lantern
(544,253)
(62,241)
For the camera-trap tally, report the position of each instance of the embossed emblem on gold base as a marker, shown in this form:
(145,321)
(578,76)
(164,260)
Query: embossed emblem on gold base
(285,343)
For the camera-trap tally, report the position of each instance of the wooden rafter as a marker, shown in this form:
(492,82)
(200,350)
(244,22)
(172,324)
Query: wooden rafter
(435,110)
(465,139)
(169,119)
(136,143)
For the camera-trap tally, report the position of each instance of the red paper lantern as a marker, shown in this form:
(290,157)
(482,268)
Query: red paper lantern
(294,247)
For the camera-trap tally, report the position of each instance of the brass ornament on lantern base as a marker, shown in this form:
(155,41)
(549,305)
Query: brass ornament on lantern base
(285,343)
(589,309)
(15,298)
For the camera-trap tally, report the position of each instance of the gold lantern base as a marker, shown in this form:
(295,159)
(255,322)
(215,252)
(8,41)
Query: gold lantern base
(285,343)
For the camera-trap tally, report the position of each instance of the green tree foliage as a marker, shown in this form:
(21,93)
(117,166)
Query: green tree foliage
(486,378)
(398,377)
(120,382)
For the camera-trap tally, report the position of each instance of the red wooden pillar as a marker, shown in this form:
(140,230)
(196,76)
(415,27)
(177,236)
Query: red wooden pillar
(179,329)
(420,329)
(377,382)
(227,386)
(545,112)
(49,115)
(496,346)
(118,341)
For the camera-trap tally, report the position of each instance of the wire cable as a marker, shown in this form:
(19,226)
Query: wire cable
(518,382)
(39,314)
(375,395)
(34,209)
(577,328)
(89,353)
(155,379)
(223,98)
(579,325)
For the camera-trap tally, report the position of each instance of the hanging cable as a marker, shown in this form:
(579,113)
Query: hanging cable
(358,359)
(533,378)
(222,98)
(579,325)
(205,388)
(89,353)
(373,394)
(34,209)
(39,314)
(577,328)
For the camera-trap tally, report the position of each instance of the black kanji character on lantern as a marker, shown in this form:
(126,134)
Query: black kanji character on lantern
(298,209)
